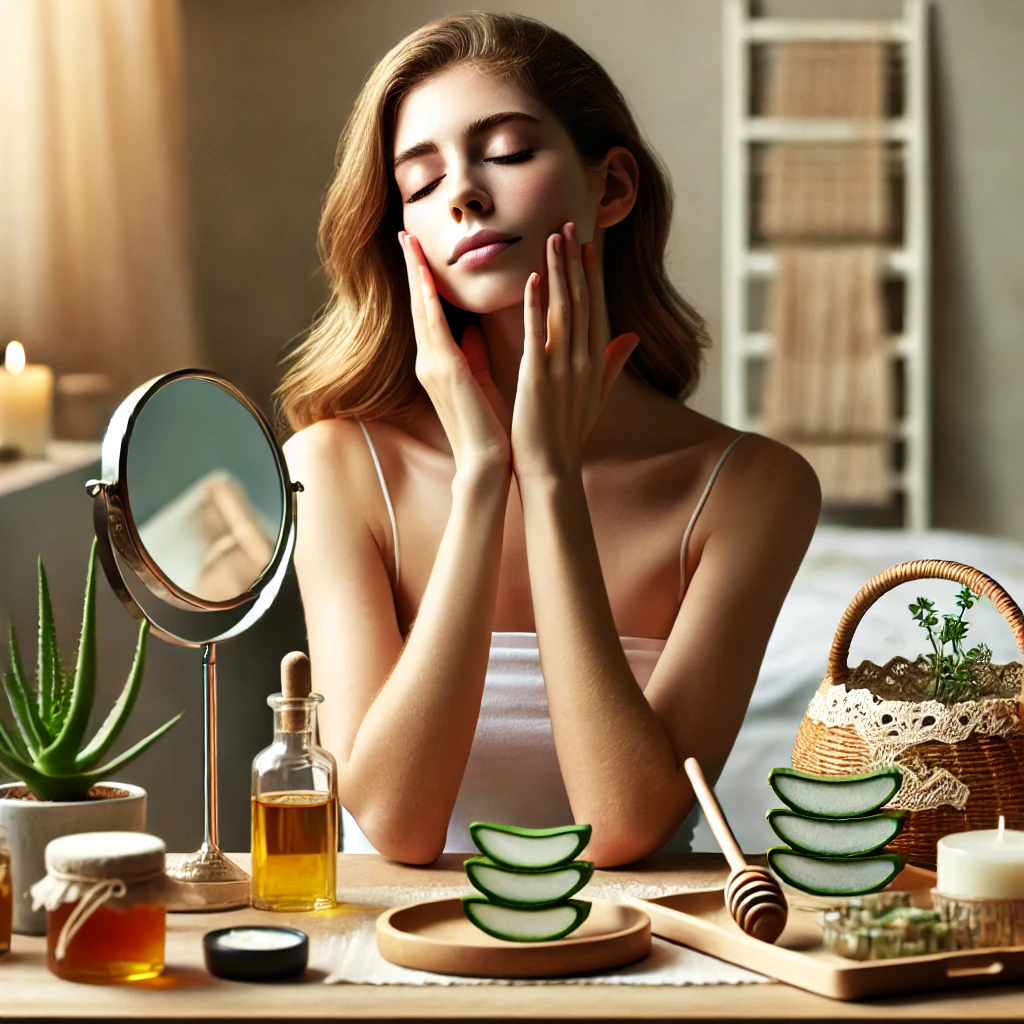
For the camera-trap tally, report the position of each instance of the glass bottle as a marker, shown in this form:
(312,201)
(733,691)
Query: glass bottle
(294,811)
(6,892)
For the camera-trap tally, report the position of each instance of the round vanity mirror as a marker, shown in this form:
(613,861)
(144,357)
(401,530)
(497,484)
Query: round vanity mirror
(195,505)
(195,527)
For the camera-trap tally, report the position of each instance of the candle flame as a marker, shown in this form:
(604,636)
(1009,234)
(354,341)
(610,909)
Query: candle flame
(14,357)
(1002,827)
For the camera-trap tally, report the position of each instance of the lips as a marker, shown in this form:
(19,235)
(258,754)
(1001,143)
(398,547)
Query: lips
(477,241)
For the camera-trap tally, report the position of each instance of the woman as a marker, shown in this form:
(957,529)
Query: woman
(505,499)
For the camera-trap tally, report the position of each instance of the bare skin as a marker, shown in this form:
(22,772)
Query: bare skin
(537,488)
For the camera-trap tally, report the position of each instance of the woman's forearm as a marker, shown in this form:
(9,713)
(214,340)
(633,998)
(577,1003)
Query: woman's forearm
(620,771)
(411,748)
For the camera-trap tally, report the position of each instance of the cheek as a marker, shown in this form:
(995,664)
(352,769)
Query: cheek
(540,201)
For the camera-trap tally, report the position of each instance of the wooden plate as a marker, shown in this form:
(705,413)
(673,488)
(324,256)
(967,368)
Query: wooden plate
(698,919)
(437,936)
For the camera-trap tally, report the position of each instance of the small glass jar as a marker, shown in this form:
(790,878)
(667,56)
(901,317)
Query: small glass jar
(987,921)
(105,895)
(6,892)
(891,923)
(294,813)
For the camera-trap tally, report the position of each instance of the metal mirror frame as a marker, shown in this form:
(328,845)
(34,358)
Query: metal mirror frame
(115,507)
(209,880)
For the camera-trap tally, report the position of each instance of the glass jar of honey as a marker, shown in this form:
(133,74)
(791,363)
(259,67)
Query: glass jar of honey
(105,895)
(294,809)
(6,892)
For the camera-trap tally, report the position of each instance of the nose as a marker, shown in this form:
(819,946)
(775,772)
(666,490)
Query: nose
(467,195)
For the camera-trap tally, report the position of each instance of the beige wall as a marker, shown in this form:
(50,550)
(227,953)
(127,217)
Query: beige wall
(270,85)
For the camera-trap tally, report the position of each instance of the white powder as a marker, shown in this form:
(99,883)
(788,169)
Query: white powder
(258,938)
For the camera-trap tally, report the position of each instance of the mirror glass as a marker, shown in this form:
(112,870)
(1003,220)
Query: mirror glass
(204,489)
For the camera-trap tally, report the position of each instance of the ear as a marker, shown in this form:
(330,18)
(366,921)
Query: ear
(618,178)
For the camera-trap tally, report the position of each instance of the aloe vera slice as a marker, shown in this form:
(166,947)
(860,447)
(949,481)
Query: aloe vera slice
(531,848)
(836,837)
(518,924)
(835,796)
(516,887)
(834,876)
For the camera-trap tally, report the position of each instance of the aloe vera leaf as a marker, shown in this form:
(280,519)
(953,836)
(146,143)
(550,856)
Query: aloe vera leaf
(131,753)
(14,742)
(518,888)
(59,756)
(835,796)
(836,837)
(834,876)
(118,715)
(531,848)
(517,924)
(37,783)
(44,649)
(25,712)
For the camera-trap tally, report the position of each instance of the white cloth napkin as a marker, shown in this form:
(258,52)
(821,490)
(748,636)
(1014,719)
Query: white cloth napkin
(349,955)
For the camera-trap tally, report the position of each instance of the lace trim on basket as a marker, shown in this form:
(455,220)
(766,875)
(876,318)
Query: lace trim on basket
(889,727)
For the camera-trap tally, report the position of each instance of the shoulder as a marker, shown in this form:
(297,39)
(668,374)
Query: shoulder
(767,488)
(330,449)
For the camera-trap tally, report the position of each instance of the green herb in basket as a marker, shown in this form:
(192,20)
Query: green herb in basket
(953,677)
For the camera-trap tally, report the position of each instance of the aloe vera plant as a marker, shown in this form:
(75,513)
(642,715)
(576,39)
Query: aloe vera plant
(47,751)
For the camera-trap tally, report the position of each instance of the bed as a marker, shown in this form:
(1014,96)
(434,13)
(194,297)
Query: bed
(838,562)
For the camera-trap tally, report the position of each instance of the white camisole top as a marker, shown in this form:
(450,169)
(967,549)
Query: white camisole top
(512,775)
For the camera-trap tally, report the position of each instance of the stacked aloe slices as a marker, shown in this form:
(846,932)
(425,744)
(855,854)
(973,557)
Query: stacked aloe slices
(527,876)
(835,831)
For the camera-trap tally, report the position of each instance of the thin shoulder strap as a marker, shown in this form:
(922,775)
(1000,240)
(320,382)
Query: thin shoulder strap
(696,511)
(387,499)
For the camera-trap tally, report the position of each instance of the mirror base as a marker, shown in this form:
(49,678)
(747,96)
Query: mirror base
(207,880)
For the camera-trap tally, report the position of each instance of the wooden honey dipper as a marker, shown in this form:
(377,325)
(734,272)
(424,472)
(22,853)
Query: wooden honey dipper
(752,896)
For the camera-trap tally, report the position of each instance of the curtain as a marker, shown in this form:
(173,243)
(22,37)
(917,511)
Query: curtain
(94,275)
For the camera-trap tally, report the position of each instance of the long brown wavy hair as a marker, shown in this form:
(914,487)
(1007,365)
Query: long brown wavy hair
(359,357)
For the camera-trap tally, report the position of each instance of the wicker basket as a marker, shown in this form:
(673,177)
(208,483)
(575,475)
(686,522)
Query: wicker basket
(963,763)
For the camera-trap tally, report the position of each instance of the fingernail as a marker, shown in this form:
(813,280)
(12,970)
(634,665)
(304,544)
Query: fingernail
(570,232)
(557,244)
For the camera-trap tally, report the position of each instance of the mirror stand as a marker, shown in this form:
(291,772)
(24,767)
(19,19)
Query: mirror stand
(214,882)
(195,526)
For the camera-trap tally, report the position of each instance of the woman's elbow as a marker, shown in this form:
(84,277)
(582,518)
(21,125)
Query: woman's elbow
(403,841)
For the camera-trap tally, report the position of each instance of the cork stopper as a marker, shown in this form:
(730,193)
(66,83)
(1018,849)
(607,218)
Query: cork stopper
(296,682)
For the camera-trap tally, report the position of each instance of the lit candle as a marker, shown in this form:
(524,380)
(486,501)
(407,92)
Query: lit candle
(26,402)
(985,864)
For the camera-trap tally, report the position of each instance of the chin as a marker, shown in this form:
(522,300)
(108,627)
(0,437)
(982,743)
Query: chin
(485,296)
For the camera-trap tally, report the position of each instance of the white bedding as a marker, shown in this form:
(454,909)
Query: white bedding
(839,561)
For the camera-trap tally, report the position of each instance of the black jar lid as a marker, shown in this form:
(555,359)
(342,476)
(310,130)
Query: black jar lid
(256,953)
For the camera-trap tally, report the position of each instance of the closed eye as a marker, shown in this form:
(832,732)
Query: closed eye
(512,158)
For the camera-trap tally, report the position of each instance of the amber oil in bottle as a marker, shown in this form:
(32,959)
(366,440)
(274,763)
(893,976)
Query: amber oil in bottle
(6,893)
(294,804)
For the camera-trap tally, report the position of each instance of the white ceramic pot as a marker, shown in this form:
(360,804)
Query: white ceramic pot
(33,823)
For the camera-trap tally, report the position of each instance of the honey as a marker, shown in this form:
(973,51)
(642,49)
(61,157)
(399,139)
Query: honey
(6,900)
(105,895)
(294,850)
(113,944)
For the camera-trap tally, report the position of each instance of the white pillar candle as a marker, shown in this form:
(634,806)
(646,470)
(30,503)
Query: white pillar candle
(985,864)
(26,404)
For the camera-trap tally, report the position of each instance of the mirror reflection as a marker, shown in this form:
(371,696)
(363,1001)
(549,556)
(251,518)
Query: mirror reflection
(204,489)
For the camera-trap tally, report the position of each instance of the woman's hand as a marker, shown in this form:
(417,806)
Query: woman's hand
(569,365)
(457,381)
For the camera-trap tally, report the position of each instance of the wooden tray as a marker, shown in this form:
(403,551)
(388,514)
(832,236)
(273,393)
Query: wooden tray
(437,936)
(698,919)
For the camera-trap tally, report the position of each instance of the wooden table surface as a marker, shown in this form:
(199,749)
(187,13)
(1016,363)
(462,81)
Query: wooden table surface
(186,991)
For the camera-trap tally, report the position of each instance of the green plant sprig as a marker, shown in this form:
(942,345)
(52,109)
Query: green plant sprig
(45,751)
(953,677)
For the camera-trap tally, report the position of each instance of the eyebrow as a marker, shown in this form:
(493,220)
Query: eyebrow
(472,130)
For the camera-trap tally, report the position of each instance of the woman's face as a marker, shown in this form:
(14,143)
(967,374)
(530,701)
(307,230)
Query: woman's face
(520,177)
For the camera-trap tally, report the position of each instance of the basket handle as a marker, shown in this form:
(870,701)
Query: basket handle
(904,572)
